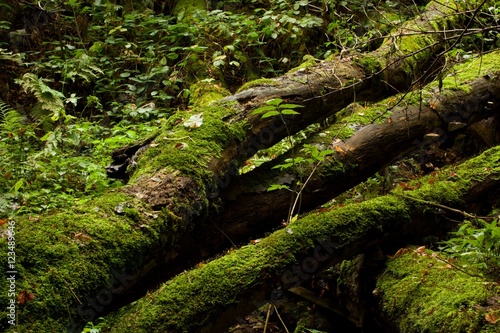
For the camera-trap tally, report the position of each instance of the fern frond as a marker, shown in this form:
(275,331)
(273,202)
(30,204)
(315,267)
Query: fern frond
(50,99)
(41,117)
(4,109)
(13,122)
(15,57)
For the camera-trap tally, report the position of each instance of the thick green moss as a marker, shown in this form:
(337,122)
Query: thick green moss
(370,64)
(203,93)
(448,185)
(177,302)
(308,61)
(462,75)
(73,253)
(422,294)
(190,149)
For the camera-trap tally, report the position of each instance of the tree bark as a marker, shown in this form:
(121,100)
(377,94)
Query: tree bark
(408,129)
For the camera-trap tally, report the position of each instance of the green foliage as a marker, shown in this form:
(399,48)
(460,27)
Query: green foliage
(50,100)
(477,243)
(310,160)
(91,328)
(275,107)
(10,56)
(63,165)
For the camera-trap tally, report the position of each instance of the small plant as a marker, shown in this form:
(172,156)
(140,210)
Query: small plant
(276,107)
(478,243)
(91,328)
(312,155)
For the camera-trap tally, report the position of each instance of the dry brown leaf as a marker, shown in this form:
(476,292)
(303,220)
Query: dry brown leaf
(492,317)
(24,297)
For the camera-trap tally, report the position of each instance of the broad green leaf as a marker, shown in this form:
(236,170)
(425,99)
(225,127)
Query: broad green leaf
(277,187)
(172,56)
(274,101)
(288,111)
(18,185)
(290,106)
(270,114)
(263,109)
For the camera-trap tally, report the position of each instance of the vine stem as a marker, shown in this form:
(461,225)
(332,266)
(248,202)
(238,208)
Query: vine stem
(299,193)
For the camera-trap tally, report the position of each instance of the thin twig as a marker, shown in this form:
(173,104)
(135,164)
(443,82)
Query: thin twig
(456,267)
(72,291)
(434,204)
(267,317)
(234,245)
(286,329)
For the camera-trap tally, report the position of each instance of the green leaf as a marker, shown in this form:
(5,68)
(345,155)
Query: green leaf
(288,111)
(18,185)
(274,101)
(290,106)
(172,56)
(263,109)
(270,114)
(277,187)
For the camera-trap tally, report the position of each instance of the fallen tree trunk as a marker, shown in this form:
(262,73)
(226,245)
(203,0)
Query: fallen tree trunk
(211,297)
(247,207)
(74,261)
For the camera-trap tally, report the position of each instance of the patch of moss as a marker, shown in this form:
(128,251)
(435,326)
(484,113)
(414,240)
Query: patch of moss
(203,93)
(422,294)
(448,185)
(176,303)
(190,149)
(369,64)
(74,252)
(307,61)
(462,75)
(182,303)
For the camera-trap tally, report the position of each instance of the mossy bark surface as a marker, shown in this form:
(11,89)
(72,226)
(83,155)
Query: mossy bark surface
(419,293)
(206,298)
(382,137)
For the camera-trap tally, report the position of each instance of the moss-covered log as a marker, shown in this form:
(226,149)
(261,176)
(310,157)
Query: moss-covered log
(80,262)
(209,298)
(418,292)
(246,203)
